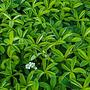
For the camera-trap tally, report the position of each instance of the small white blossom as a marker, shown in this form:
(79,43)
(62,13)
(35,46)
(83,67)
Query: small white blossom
(30,65)
(27,66)
(35,68)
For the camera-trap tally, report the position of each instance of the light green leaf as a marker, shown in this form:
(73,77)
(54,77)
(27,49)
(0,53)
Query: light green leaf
(79,70)
(39,39)
(74,82)
(82,54)
(63,76)
(87,81)
(50,66)
(83,63)
(11,37)
(87,32)
(69,51)
(7,16)
(17,87)
(65,67)
(82,14)
(72,75)
(38,4)
(17,17)
(73,62)
(67,35)
(51,4)
(76,39)
(77,5)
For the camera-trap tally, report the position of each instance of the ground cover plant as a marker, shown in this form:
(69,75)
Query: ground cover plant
(44,44)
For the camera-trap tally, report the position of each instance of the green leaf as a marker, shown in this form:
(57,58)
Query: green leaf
(38,4)
(63,76)
(35,85)
(46,3)
(87,81)
(22,79)
(87,32)
(53,81)
(72,75)
(82,54)
(79,70)
(45,85)
(35,56)
(2,50)
(7,16)
(76,39)
(11,37)
(51,4)
(10,51)
(11,23)
(58,54)
(3,89)
(77,5)
(74,82)
(50,66)
(82,14)
(66,8)
(73,62)
(67,35)
(3,63)
(39,39)
(30,76)
(69,51)
(83,63)
(65,67)
(16,17)
(17,87)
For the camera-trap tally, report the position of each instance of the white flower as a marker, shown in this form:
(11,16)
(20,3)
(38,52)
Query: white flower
(27,66)
(35,68)
(30,65)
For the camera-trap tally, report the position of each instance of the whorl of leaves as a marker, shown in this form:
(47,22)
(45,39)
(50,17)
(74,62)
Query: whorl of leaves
(54,34)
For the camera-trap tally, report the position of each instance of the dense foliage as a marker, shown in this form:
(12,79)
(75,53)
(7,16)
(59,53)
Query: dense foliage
(44,44)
